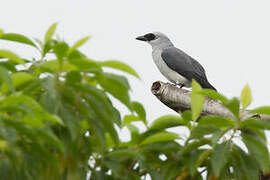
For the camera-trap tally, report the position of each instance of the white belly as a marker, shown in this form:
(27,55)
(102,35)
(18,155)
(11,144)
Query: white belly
(171,75)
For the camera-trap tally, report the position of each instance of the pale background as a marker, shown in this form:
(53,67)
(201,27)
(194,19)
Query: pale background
(230,38)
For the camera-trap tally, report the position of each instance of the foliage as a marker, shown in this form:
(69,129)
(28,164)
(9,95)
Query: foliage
(57,121)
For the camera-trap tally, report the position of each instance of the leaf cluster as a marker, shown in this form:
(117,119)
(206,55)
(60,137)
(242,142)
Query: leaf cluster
(56,110)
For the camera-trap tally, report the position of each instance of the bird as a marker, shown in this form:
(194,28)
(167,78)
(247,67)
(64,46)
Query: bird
(173,63)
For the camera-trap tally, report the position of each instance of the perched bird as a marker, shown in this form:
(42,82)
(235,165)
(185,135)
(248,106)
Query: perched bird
(173,63)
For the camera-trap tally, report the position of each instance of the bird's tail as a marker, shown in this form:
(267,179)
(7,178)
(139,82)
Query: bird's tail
(203,82)
(209,86)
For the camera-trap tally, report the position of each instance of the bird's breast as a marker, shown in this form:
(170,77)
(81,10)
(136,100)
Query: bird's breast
(170,74)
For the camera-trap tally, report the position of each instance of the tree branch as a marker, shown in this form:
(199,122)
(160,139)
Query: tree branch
(179,100)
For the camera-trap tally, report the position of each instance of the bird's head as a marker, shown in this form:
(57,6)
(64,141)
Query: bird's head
(156,39)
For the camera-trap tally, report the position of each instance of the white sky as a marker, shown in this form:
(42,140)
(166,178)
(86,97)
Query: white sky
(230,38)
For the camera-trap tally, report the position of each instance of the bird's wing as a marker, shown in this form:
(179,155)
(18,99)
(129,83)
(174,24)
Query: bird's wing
(186,66)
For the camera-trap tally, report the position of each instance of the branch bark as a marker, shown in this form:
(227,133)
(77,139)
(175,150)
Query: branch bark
(179,100)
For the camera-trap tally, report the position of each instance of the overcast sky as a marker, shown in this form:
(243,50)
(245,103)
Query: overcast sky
(230,38)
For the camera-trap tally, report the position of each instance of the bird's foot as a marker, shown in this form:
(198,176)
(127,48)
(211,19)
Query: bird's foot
(179,85)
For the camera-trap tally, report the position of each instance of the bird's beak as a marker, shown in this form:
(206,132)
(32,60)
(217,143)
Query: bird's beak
(141,38)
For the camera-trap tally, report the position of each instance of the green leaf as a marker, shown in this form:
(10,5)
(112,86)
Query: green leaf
(86,65)
(234,106)
(50,32)
(191,162)
(120,66)
(117,86)
(261,110)
(115,166)
(102,108)
(11,56)
(129,118)
(213,95)
(52,118)
(50,138)
(245,97)
(3,144)
(31,120)
(51,97)
(18,38)
(139,109)
(76,54)
(197,100)
(187,116)
(203,156)
(9,65)
(1,32)
(217,135)
(32,87)
(220,157)
(194,145)
(166,121)
(31,107)
(53,66)
(255,123)
(4,76)
(78,44)
(73,77)
(109,141)
(71,121)
(169,146)
(85,125)
(260,132)
(48,47)
(18,79)
(134,131)
(218,121)
(201,130)
(160,137)
(258,150)
(127,153)
(60,50)
(244,166)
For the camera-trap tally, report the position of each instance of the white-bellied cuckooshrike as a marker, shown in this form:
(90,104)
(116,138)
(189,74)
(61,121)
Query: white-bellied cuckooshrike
(173,63)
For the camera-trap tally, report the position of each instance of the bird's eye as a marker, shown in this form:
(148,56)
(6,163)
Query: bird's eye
(150,36)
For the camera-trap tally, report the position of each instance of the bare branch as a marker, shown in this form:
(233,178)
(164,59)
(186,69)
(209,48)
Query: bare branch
(179,100)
